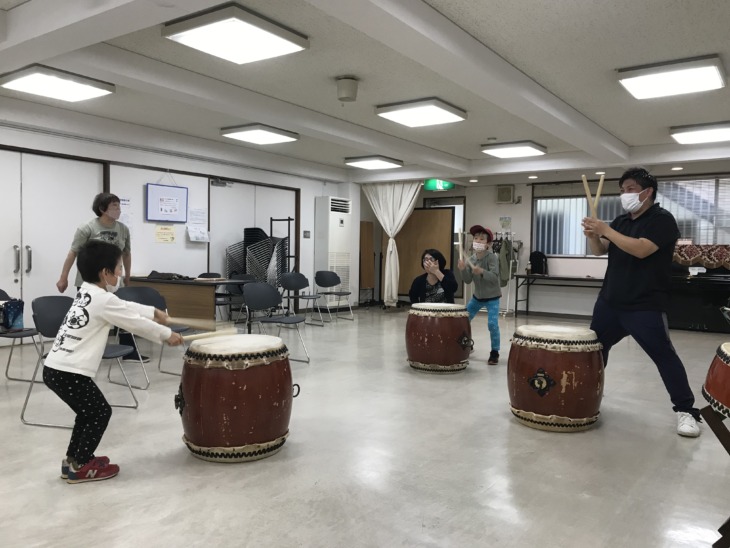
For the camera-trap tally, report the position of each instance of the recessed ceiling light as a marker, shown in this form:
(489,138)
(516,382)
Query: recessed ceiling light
(422,112)
(517,149)
(473,180)
(54,83)
(373,162)
(532,177)
(677,168)
(259,134)
(235,34)
(701,133)
(600,172)
(673,77)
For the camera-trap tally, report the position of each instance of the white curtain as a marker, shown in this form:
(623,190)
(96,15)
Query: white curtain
(392,203)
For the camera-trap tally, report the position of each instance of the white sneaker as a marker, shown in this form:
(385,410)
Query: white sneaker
(687,425)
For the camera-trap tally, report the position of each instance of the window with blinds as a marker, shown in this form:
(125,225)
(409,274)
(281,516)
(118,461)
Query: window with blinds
(701,208)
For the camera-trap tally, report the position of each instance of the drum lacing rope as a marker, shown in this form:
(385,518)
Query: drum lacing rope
(572,345)
(237,357)
(723,355)
(716,405)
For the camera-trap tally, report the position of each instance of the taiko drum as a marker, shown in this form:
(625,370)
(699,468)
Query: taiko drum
(235,397)
(555,377)
(438,337)
(716,389)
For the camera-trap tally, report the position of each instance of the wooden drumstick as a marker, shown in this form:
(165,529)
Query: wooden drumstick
(598,194)
(589,197)
(196,323)
(461,246)
(211,334)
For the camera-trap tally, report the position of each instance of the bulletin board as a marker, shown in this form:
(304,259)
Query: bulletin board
(166,203)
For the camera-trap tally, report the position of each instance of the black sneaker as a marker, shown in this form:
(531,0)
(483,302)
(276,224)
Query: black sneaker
(136,358)
(493,358)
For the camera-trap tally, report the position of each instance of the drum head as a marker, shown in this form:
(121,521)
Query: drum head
(236,344)
(442,307)
(556,333)
(725,349)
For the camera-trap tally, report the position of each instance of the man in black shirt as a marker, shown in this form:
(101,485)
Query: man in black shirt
(633,299)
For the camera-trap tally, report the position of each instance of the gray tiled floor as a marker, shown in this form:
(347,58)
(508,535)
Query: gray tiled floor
(382,455)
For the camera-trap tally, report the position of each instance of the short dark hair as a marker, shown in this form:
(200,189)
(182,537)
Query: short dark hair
(642,177)
(102,202)
(94,256)
(436,254)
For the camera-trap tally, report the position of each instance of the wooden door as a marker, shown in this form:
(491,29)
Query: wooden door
(425,229)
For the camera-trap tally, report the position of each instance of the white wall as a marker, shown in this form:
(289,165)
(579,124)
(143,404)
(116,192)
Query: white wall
(180,256)
(153,156)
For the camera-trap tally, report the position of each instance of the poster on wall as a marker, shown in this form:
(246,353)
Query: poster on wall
(166,203)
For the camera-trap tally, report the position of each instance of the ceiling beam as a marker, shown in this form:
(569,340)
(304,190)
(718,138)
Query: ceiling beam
(140,73)
(38,30)
(414,29)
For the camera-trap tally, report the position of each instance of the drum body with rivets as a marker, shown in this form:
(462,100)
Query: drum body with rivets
(555,377)
(438,337)
(716,389)
(235,397)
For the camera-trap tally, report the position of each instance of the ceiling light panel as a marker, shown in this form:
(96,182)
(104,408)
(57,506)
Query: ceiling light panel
(235,34)
(421,112)
(56,84)
(373,162)
(701,133)
(517,149)
(673,78)
(259,134)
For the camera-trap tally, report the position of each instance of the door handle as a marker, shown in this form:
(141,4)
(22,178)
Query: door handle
(30,259)
(16,248)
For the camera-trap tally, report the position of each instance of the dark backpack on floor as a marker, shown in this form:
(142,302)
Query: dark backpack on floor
(538,263)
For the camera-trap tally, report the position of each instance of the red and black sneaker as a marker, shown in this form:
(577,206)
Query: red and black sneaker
(65,466)
(96,469)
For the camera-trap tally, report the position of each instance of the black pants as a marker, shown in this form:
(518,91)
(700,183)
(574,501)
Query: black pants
(92,410)
(649,329)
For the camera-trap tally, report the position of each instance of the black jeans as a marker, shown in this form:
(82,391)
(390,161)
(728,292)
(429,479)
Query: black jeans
(649,329)
(92,410)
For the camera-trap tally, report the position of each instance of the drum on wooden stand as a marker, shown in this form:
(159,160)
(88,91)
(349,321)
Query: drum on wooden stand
(716,389)
(555,377)
(438,337)
(235,397)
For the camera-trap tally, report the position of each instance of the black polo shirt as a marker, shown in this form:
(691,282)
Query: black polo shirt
(641,284)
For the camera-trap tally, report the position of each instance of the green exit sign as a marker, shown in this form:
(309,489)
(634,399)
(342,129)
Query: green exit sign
(437,184)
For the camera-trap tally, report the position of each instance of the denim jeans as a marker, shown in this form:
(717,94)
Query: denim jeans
(492,318)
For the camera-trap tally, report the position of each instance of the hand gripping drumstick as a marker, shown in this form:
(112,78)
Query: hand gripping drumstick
(196,323)
(211,334)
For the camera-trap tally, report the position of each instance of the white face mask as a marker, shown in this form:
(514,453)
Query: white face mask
(630,201)
(478,246)
(113,288)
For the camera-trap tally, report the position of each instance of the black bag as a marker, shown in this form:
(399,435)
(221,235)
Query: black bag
(12,315)
(538,263)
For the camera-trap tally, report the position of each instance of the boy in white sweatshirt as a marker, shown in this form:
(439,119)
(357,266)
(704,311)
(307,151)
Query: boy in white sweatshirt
(73,361)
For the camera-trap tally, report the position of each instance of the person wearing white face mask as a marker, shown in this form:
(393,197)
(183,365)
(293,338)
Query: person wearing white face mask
(107,228)
(74,358)
(482,268)
(635,293)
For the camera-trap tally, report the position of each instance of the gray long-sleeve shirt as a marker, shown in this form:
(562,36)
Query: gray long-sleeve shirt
(486,284)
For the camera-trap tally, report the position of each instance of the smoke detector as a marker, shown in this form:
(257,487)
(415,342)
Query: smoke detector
(346,88)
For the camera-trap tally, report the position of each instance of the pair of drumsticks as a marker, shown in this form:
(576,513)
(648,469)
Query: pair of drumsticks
(461,251)
(197,323)
(593,202)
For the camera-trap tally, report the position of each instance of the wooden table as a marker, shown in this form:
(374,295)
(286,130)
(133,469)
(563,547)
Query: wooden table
(187,298)
(556,281)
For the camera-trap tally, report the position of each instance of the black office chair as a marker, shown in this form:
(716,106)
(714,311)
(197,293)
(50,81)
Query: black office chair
(296,281)
(48,315)
(221,297)
(148,296)
(261,297)
(327,280)
(234,296)
(15,336)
